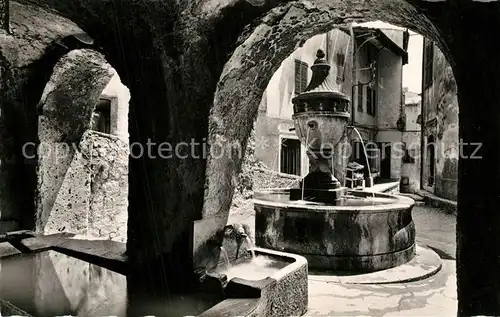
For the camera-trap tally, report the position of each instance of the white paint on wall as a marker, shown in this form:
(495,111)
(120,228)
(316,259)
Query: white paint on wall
(119,95)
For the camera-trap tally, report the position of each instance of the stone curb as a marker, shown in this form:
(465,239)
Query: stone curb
(448,206)
(408,280)
(425,264)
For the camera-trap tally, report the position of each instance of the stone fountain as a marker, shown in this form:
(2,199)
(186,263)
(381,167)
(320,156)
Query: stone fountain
(320,117)
(331,226)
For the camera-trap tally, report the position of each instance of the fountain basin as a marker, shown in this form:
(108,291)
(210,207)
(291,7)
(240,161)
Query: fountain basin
(60,275)
(370,232)
(272,284)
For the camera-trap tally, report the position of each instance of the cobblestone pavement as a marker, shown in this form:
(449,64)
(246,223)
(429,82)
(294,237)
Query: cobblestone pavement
(435,296)
(436,229)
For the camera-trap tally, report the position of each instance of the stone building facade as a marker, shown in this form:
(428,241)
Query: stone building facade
(440,124)
(376,103)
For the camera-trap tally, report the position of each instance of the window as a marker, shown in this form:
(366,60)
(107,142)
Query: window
(371,54)
(360,97)
(373,153)
(371,101)
(340,67)
(408,157)
(290,156)
(301,69)
(372,57)
(101,118)
(356,151)
(428,63)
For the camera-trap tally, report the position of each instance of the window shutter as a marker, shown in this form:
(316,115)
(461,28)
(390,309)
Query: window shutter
(360,97)
(303,77)
(297,77)
(428,62)
(374,102)
(300,76)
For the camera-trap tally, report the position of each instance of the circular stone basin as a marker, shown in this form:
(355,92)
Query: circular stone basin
(370,232)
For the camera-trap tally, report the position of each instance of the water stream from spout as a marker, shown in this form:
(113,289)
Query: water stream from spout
(226,258)
(366,155)
(251,246)
(307,147)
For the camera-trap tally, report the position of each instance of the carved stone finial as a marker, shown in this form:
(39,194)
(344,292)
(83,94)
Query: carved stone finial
(320,54)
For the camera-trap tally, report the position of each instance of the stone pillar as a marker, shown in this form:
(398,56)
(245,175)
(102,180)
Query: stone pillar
(478,221)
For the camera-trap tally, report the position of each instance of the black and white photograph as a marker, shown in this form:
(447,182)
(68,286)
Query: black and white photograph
(249,158)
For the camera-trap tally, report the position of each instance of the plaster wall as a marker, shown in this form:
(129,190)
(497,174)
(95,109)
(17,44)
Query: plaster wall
(411,138)
(440,110)
(396,35)
(389,105)
(389,89)
(120,97)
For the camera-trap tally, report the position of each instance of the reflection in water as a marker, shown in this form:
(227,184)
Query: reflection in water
(52,284)
(258,268)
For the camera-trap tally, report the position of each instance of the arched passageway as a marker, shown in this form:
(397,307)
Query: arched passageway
(82,150)
(172,56)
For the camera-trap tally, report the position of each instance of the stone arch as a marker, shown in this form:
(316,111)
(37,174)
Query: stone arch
(67,175)
(27,58)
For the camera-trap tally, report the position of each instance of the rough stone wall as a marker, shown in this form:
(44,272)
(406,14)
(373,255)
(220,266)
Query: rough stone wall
(93,197)
(266,179)
(34,31)
(107,161)
(441,113)
(256,175)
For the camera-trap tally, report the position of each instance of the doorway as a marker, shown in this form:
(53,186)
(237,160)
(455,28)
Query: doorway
(431,160)
(385,163)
